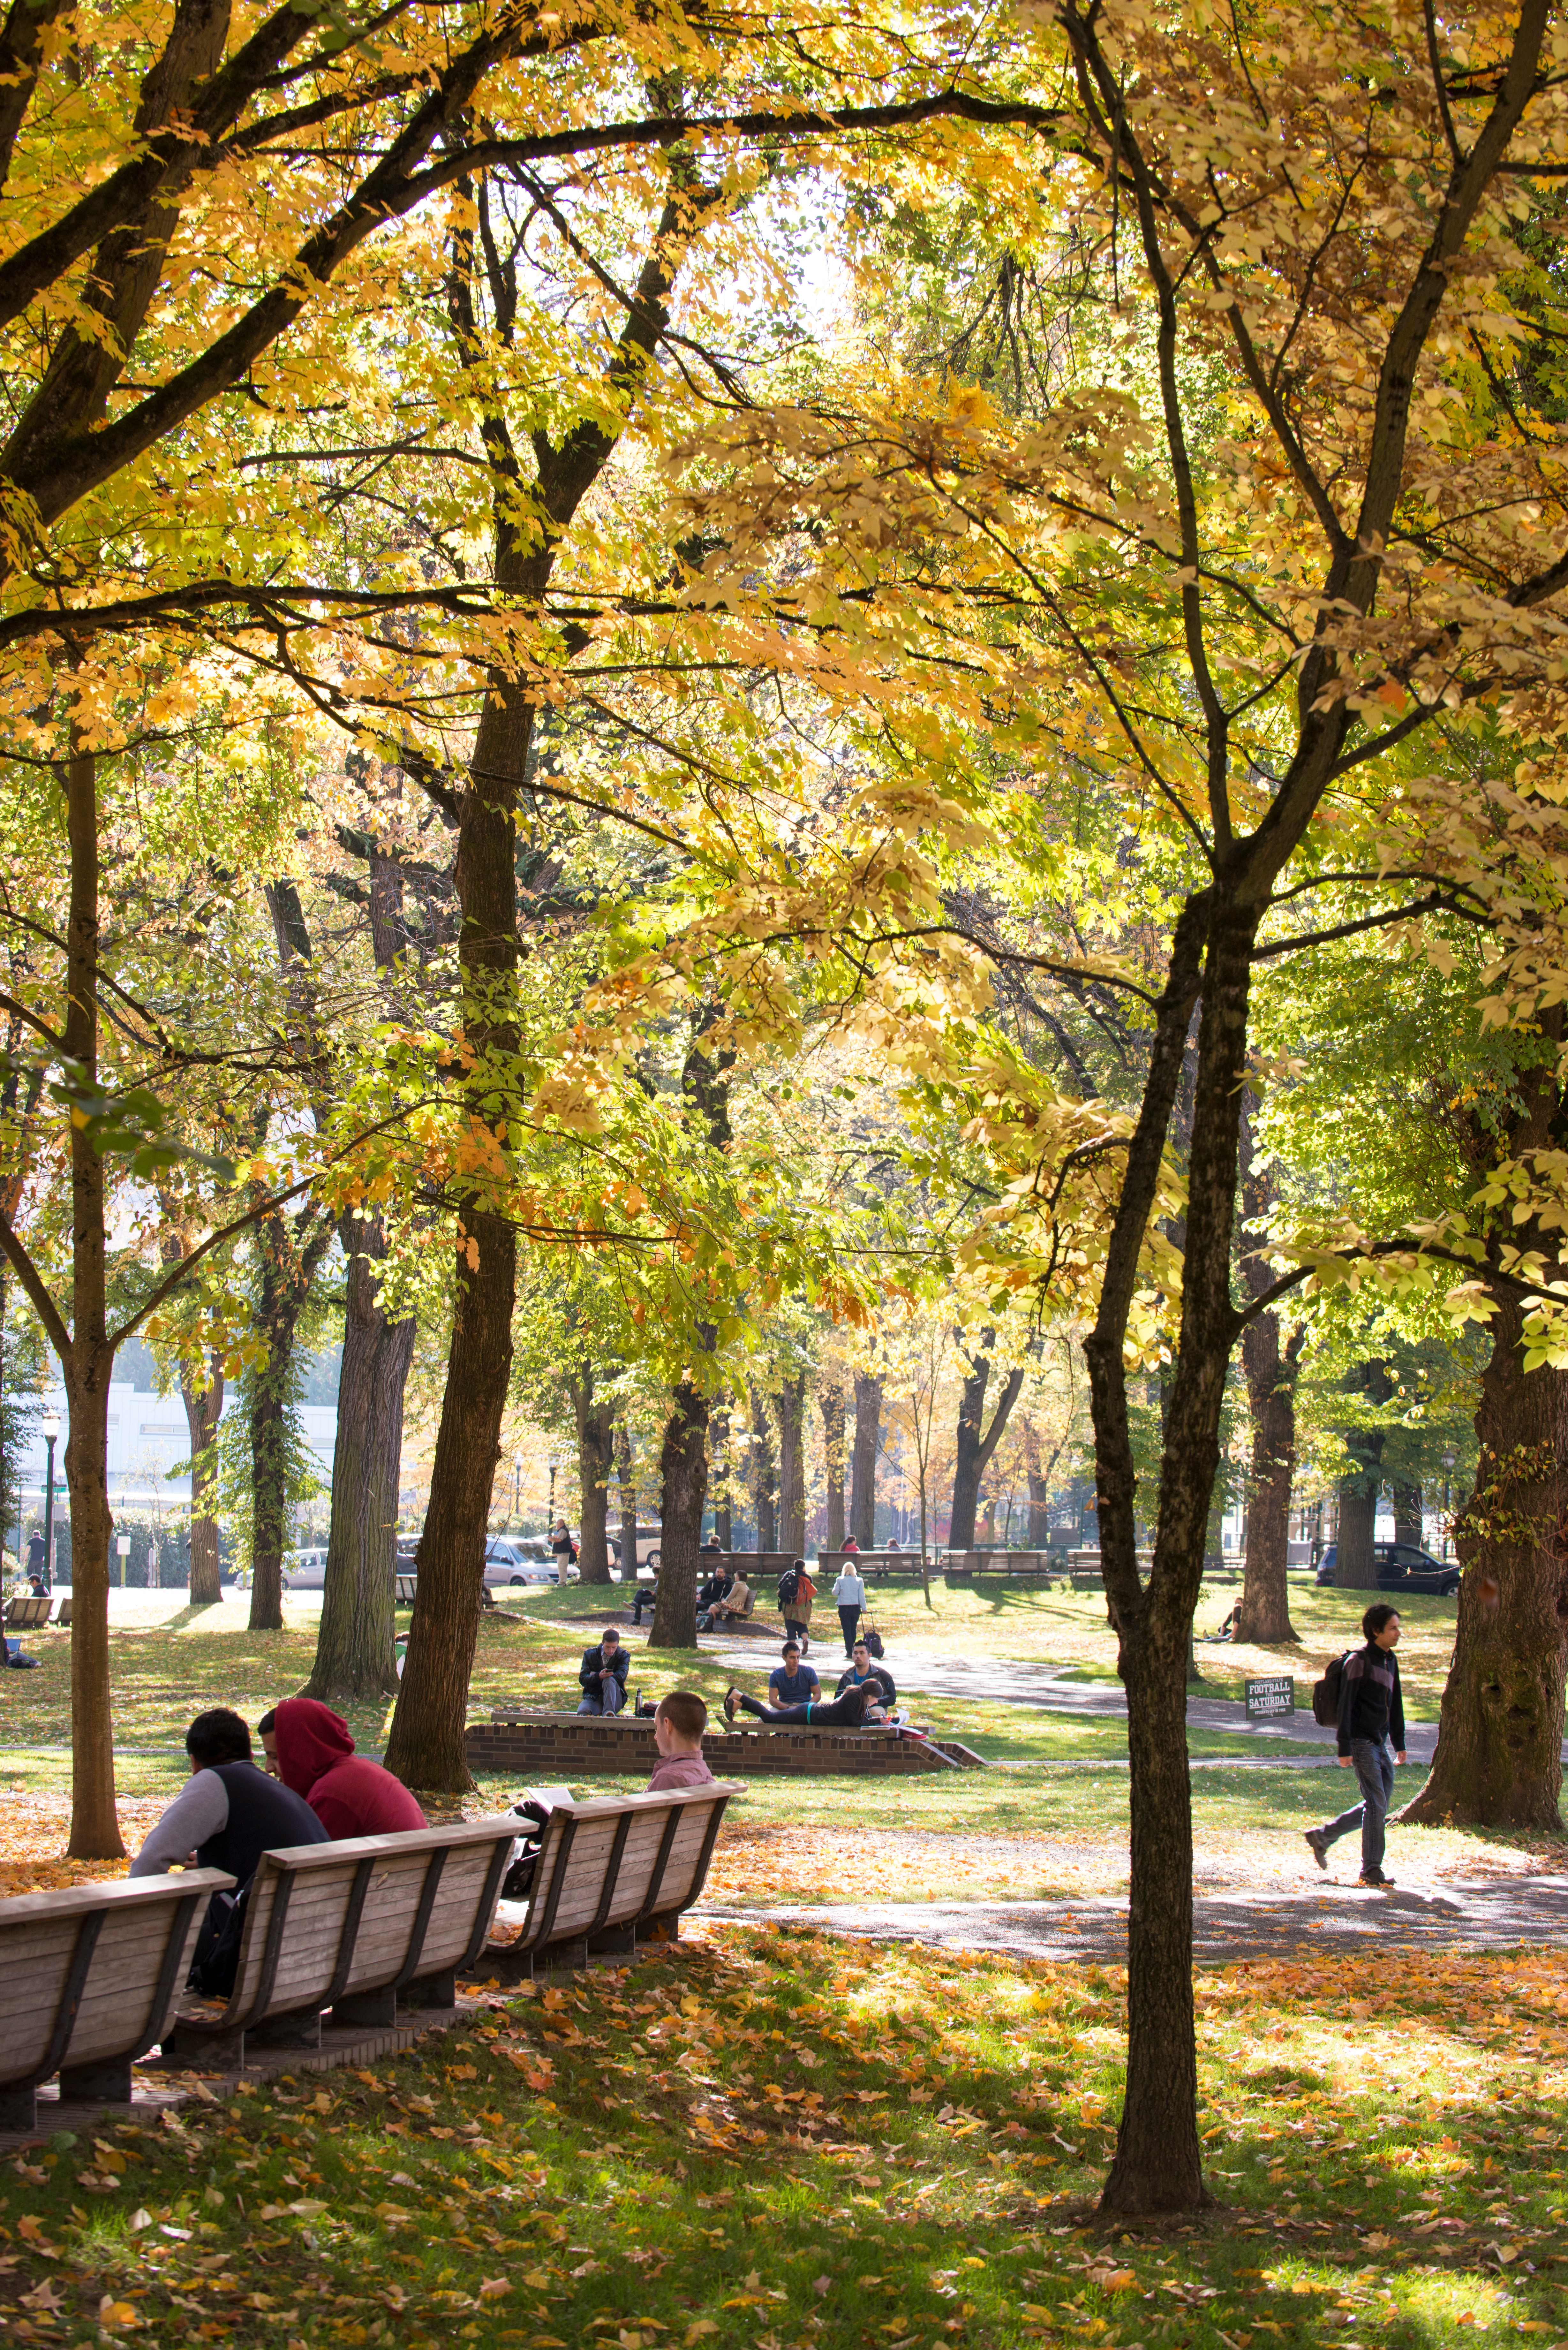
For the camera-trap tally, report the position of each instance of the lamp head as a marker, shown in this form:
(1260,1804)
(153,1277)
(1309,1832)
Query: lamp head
(51,1425)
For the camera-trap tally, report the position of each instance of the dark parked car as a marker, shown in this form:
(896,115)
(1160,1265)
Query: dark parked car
(1401,1568)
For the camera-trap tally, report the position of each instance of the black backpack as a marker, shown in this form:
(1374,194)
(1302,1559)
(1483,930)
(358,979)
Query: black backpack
(789,1583)
(1326,1693)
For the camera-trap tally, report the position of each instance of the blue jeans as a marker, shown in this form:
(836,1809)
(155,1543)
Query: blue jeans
(1374,1768)
(613,1699)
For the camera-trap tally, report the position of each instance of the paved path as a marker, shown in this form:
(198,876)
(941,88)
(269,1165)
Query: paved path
(1328,1921)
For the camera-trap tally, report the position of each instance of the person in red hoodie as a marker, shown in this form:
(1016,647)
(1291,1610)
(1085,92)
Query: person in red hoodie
(309,1749)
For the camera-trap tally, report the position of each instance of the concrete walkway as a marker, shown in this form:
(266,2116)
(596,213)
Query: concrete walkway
(1326,1921)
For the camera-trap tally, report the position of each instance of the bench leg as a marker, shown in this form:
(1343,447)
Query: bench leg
(18,2109)
(368,2007)
(87,2084)
(297,2027)
(654,1930)
(612,1938)
(186,2045)
(572,1954)
(432,1991)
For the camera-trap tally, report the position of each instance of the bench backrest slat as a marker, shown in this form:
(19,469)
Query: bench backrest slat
(612,1862)
(146,1930)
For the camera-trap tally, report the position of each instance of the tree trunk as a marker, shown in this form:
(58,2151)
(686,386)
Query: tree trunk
(1039,1491)
(831,1401)
(1498,1762)
(764,1481)
(87,1364)
(683,1470)
(596,1446)
(628,1504)
(863,1460)
(290,1249)
(792,1465)
(1408,1522)
(203,1409)
(1265,1616)
(355,1656)
(1355,1569)
(974,1449)
(721,1443)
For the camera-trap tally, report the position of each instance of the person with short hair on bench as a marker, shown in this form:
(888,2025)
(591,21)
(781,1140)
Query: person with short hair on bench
(861,1667)
(791,1682)
(736,1603)
(602,1675)
(678,1727)
(859,1705)
(226,1816)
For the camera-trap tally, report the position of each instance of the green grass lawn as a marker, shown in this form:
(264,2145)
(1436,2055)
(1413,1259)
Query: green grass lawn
(766,2140)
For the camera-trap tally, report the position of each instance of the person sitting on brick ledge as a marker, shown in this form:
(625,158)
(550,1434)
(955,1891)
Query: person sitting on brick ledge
(602,1675)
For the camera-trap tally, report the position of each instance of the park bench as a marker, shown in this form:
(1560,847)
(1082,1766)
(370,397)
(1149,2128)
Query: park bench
(612,1873)
(353,1927)
(28,1612)
(873,1565)
(92,1975)
(407,1585)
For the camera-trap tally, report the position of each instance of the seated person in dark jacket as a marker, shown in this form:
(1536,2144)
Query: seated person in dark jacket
(862,1667)
(852,1711)
(225,1817)
(647,1596)
(717,1587)
(602,1675)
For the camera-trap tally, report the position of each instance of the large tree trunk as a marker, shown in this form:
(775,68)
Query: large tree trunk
(1265,1612)
(764,1481)
(683,1470)
(290,1249)
(203,1409)
(1356,1568)
(595,1422)
(355,1651)
(863,1460)
(792,1465)
(87,1364)
(974,1448)
(1498,1762)
(720,1442)
(831,1401)
(1039,1491)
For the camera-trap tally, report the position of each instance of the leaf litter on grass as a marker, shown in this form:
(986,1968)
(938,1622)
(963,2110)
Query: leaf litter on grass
(768,2139)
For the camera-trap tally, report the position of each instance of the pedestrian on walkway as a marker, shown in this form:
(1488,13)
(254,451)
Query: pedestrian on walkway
(1371,1741)
(849,1599)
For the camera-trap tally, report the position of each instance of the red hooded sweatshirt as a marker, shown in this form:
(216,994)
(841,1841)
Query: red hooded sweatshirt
(349,1797)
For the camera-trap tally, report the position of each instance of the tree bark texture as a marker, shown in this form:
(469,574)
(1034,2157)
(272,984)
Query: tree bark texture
(289,1250)
(764,1474)
(1271,1370)
(1499,1759)
(792,1465)
(594,1423)
(1409,1522)
(863,1460)
(719,1444)
(203,1409)
(1039,1491)
(831,1403)
(355,1652)
(683,1472)
(1354,1568)
(975,1443)
(625,1478)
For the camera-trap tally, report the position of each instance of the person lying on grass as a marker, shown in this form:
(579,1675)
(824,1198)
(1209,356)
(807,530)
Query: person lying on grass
(678,1726)
(860,1703)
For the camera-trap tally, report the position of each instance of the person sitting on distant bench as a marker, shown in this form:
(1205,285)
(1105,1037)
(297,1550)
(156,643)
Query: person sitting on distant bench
(646,1595)
(858,1705)
(736,1602)
(715,1588)
(862,1668)
(678,1726)
(602,1675)
(792,1683)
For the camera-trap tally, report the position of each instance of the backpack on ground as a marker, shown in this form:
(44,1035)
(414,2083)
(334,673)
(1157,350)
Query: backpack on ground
(1325,1694)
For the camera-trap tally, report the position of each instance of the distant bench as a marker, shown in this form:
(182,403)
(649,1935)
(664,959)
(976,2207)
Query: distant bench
(407,1585)
(612,1874)
(353,1928)
(92,1975)
(29,1612)
(873,1565)
(534,1742)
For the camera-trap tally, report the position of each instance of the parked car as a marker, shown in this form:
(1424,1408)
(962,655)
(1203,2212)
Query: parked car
(305,1570)
(521,1558)
(1401,1566)
(647,1539)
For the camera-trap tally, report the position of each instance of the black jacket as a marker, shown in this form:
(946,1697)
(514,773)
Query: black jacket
(1370,1703)
(593,1665)
(874,1673)
(263,1815)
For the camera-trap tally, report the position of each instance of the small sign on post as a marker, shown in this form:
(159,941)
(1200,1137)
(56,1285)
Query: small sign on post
(122,1544)
(1274,1694)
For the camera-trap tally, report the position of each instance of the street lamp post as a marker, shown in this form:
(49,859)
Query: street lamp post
(1447,1500)
(51,1430)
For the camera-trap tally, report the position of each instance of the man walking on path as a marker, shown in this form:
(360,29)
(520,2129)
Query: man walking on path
(1371,1716)
(849,1599)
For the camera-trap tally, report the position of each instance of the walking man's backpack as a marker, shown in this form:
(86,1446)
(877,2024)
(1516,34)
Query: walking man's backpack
(1326,1693)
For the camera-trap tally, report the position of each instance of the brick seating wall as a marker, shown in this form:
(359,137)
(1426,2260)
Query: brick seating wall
(569,1747)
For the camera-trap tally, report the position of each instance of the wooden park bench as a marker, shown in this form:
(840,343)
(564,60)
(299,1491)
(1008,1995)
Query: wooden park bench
(408,1583)
(873,1565)
(614,1873)
(28,1612)
(92,1975)
(353,1928)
